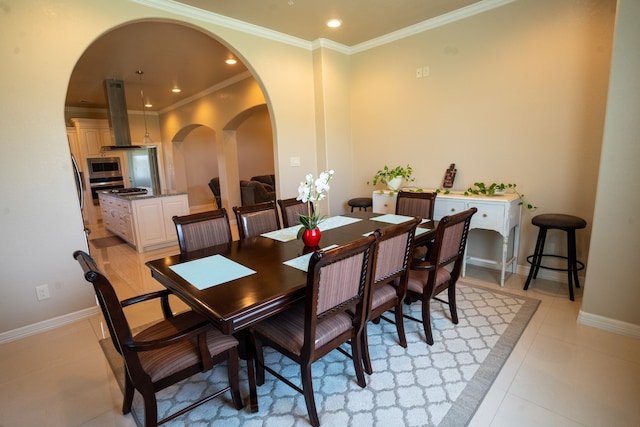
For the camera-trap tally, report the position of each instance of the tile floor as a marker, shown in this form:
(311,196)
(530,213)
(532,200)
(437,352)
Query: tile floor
(559,374)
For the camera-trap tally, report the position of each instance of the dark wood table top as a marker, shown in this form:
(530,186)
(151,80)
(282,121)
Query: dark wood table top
(237,304)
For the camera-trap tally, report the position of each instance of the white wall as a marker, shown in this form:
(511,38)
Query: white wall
(40,223)
(516,95)
(535,118)
(611,287)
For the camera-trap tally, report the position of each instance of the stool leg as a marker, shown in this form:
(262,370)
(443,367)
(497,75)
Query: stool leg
(572,266)
(537,257)
(351,208)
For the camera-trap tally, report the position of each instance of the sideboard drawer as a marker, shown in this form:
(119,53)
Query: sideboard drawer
(488,217)
(447,207)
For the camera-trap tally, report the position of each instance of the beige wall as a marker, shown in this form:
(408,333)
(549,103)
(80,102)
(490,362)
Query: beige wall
(255,145)
(514,94)
(611,288)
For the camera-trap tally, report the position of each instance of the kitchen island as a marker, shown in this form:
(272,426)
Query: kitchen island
(143,220)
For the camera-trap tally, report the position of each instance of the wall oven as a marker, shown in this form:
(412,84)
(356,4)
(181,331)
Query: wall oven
(105,173)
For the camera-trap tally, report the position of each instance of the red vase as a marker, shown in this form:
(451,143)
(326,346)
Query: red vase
(311,238)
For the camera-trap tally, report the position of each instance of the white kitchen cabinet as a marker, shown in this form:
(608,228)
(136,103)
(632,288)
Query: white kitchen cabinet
(143,221)
(152,218)
(92,134)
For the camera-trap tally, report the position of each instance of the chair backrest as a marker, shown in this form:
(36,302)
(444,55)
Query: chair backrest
(110,305)
(450,241)
(291,209)
(393,251)
(202,230)
(338,279)
(254,220)
(419,204)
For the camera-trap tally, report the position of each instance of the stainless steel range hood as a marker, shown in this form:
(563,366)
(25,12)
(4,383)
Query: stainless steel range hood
(118,117)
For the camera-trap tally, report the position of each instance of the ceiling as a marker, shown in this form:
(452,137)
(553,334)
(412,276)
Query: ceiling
(174,55)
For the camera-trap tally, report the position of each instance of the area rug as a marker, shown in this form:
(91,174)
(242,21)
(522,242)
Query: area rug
(440,385)
(105,242)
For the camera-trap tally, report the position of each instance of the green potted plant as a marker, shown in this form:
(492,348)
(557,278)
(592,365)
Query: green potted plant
(393,177)
(480,188)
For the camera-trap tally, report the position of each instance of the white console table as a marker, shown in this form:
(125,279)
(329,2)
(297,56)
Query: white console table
(499,213)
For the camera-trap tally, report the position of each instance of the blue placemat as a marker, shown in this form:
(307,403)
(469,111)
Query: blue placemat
(211,271)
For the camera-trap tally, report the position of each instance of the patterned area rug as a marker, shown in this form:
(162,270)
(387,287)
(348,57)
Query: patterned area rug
(439,385)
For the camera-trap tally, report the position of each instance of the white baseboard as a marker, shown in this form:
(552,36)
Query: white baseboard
(610,325)
(47,325)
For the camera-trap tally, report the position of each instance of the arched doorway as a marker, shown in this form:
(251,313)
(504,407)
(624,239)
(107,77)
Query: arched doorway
(171,54)
(243,152)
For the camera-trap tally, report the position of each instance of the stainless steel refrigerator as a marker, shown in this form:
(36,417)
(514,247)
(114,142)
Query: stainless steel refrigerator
(143,169)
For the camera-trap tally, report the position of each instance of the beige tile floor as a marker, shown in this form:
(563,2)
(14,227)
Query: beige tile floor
(559,374)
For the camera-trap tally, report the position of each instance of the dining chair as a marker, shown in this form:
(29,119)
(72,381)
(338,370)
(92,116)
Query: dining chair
(291,209)
(417,204)
(169,351)
(337,279)
(253,220)
(441,272)
(202,230)
(391,260)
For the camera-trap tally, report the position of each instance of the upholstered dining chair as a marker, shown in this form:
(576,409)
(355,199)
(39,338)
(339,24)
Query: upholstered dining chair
(430,278)
(337,279)
(253,220)
(291,209)
(417,204)
(202,230)
(391,260)
(164,353)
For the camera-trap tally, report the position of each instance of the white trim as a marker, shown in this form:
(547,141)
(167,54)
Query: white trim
(235,24)
(223,21)
(47,325)
(608,324)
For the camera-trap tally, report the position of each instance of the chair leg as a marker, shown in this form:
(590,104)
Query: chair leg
(128,394)
(453,307)
(150,408)
(400,324)
(426,319)
(356,355)
(307,388)
(366,357)
(234,380)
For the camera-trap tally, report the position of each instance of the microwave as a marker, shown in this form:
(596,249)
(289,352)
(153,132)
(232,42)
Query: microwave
(104,167)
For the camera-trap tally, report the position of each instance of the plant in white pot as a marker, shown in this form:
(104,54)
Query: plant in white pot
(393,177)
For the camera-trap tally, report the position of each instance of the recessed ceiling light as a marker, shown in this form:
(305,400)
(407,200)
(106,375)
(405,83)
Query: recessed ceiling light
(334,23)
(231,61)
(176,90)
(148,105)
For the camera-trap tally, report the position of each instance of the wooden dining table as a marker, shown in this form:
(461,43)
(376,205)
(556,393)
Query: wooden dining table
(270,285)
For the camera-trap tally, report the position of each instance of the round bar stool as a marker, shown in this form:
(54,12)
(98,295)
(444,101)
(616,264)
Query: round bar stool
(360,203)
(567,223)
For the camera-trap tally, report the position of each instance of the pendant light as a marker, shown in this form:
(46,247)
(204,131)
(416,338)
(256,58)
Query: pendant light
(147,139)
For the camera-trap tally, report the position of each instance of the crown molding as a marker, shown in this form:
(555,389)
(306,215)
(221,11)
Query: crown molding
(429,24)
(224,21)
(207,91)
(235,24)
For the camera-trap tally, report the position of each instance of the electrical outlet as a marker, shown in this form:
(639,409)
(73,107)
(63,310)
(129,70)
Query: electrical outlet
(42,292)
